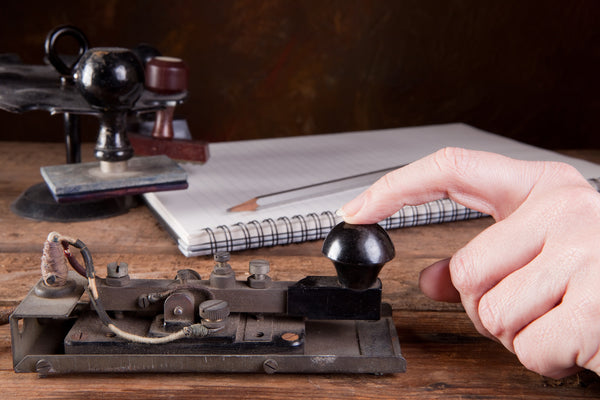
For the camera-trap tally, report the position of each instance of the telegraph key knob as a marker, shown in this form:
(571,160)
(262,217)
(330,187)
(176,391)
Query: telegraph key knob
(358,253)
(166,75)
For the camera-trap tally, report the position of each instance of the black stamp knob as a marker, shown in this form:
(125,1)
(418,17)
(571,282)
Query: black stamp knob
(109,78)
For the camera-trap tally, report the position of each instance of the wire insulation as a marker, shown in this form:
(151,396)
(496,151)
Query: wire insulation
(195,330)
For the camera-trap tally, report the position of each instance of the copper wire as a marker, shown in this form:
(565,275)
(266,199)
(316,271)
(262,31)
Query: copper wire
(54,264)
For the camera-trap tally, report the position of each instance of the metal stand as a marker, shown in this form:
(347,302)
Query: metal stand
(37,203)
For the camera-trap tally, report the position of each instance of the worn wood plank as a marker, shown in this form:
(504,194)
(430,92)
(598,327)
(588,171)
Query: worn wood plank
(446,357)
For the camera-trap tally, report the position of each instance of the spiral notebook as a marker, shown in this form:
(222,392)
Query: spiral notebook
(237,171)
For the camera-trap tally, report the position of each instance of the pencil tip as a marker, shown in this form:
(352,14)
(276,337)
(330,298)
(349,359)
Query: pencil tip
(249,205)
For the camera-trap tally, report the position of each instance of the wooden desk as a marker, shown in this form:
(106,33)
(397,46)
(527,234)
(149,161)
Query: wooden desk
(446,357)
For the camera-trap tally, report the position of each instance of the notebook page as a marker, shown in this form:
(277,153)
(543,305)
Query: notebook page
(239,171)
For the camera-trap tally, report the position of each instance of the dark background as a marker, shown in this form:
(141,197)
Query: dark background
(524,69)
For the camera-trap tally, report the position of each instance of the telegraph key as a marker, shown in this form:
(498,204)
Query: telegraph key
(319,324)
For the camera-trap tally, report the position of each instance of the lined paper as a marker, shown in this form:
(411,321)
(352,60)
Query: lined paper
(237,171)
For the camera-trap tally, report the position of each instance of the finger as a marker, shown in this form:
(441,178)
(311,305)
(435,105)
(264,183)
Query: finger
(527,293)
(558,343)
(565,247)
(568,335)
(486,182)
(435,282)
(498,251)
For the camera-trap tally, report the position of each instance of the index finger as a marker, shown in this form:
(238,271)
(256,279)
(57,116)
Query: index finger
(486,182)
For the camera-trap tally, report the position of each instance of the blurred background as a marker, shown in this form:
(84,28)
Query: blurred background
(524,69)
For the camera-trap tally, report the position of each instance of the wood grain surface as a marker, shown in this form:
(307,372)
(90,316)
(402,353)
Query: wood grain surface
(446,357)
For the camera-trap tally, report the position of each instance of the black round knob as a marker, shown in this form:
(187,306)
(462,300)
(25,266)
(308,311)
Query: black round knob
(110,78)
(358,253)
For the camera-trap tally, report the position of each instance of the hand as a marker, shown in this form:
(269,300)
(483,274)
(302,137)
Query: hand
(531,280)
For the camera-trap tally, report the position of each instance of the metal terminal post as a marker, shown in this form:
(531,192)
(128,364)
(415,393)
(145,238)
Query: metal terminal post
(222,276)
(214,313)
(117,274)
(258,278)
(221,258)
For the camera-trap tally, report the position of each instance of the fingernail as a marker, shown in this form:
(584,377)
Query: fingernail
(352,207)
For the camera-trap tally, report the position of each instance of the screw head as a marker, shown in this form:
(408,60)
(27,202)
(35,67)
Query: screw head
(143,302)
(43,368)
(259,267)
(222,256)
(117,270)
(214,310)
(270,366)
(290,336)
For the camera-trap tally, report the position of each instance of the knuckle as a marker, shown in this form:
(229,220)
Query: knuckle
(585,198)
(571,204)
(572,258)
(562,171)
(490,317)
(387,183)
(463,270)
(563,177)
(454,159)
(527,357)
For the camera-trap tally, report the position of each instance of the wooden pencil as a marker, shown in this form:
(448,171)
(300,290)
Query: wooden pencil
(312,190)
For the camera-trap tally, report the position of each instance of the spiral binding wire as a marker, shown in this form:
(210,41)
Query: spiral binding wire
(313,226)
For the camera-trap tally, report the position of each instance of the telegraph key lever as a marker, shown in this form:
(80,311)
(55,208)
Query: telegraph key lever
(323,324)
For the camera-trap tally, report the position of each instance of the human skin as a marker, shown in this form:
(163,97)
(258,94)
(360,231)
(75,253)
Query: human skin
(531,280)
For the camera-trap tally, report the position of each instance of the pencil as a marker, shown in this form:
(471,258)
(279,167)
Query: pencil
(313,190)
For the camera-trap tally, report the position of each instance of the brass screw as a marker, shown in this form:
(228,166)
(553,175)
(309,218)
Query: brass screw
(290,337)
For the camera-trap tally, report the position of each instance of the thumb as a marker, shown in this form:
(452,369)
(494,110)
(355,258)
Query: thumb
(435,282)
